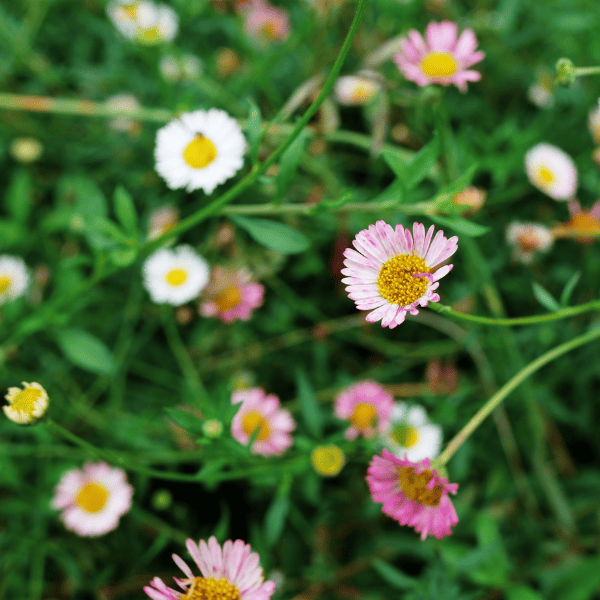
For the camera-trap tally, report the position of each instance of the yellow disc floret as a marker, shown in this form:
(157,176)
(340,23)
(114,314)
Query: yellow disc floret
(439,64)
(92,497)
(4,283)
(27,404)
(176,277)
(544,176)
(405,435)
(211,589)
(414,486)
(396,282)
(229,298)
(251,421)
(327,460)
(25,400)
(363,416)
(200,152)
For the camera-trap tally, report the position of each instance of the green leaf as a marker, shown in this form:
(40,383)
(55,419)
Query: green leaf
(569,288)
(273,234)
(444,198)
(331,205)
(278,511)
(578,583)
(188,421)
(11,233)
(522,592)
(289,163)
(393,576)
(460,225)
(253,130)
(309,408)
(125,210)
(423,162)
(395,193)
(545,298)
(85,350)
(123,257)
(19,196)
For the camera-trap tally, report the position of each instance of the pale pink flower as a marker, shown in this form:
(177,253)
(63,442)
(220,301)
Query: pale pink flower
(440,58)
(413,494)
(92,499)
(527,239)
(231,295)
(266,22)
(228,572)
(393,271)
(261,410)
(552,171)
(367,405)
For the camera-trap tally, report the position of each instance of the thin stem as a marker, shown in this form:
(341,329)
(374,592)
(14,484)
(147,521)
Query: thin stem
(579,71)
(508,387)
(561,314)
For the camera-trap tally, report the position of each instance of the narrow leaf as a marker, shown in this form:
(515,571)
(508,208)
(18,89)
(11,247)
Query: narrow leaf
(19,196)
(125,210)
(289,163)
(423,162)
(278,511)
(393,576)
(568,291)
(188,421)
(460,225)
(85,350)
(309,408)
(253,130)
(273,234)
(545,298)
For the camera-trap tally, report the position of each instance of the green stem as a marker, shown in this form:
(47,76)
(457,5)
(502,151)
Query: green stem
(561,314)
(579,71)
(507,388)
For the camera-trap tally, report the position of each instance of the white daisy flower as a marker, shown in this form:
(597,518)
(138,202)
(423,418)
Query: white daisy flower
(143,20)
(527,239)
(552,171)
(201,149)
(411,434)
(175,276)
(14,277)
(352,90)
(26,405)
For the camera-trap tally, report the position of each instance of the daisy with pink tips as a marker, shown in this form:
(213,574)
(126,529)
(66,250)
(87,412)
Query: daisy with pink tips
(92,499)
(442,57)
(552,171)
(392,271)
(231,295)
(413,494)
(367,405)
(259,410)
(265,22)
(230,572)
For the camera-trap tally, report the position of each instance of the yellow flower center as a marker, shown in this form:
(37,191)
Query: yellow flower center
(131,10)
(405,435)
(396,282)
(413,486)
(4,283)
(25,400)
(251,421)
(268,30)
(581,221)
(528,241)
(200,152)
(176,277)
(361,93)
(211,589)
(92,497)
(363,416)
(229,298)
(327,460)
(544,176)
(151,35)
(439,64)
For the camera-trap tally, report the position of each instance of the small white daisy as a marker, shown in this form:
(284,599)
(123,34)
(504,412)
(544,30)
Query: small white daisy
(14,277)
(201,149)
(552,171)
(175,276)
(143,20)
(26,405)
(352,90)
(411,434)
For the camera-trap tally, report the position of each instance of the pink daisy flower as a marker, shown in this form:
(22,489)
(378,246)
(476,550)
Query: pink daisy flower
(367,405)
(393,271)
(265,22)
(92,499)
(231,572)
(231,295)
(440,58)
(413,494)
(261,410)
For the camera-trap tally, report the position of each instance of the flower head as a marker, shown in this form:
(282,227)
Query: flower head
(410,433)
(367,405)
(441,57)
(26,150)
(352,90)
(328,461)
(14,278)
(143,20)
(161,220)
(472,197)
(413,494)
(125,102)
(231,295)
(266,23)
(527,239)
(231,573)
(391,272)
(581,222)
(201,149)
(26,405)
(261,411)
(92,499)
(552,171)
(175,276)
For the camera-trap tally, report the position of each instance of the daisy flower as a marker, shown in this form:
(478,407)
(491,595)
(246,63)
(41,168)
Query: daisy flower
(26,150)
(440,58)
(393,272)
(92,499)
(410,433)
(26,405)
(367,405)
(471,197)
(14,277)
(201,149)
(231,295)
(552,171)
(352,90)
(159,25)
(581,221)
(231,573)
(328,460)
(175,276)
(527,239)
(265,22)
(413,494)
(261,410)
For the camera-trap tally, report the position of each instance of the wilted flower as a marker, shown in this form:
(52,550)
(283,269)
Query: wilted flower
(552,171)
(527,239)
(26,405)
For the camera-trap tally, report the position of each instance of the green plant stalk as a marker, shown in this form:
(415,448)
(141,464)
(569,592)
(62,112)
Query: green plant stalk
(507,388)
